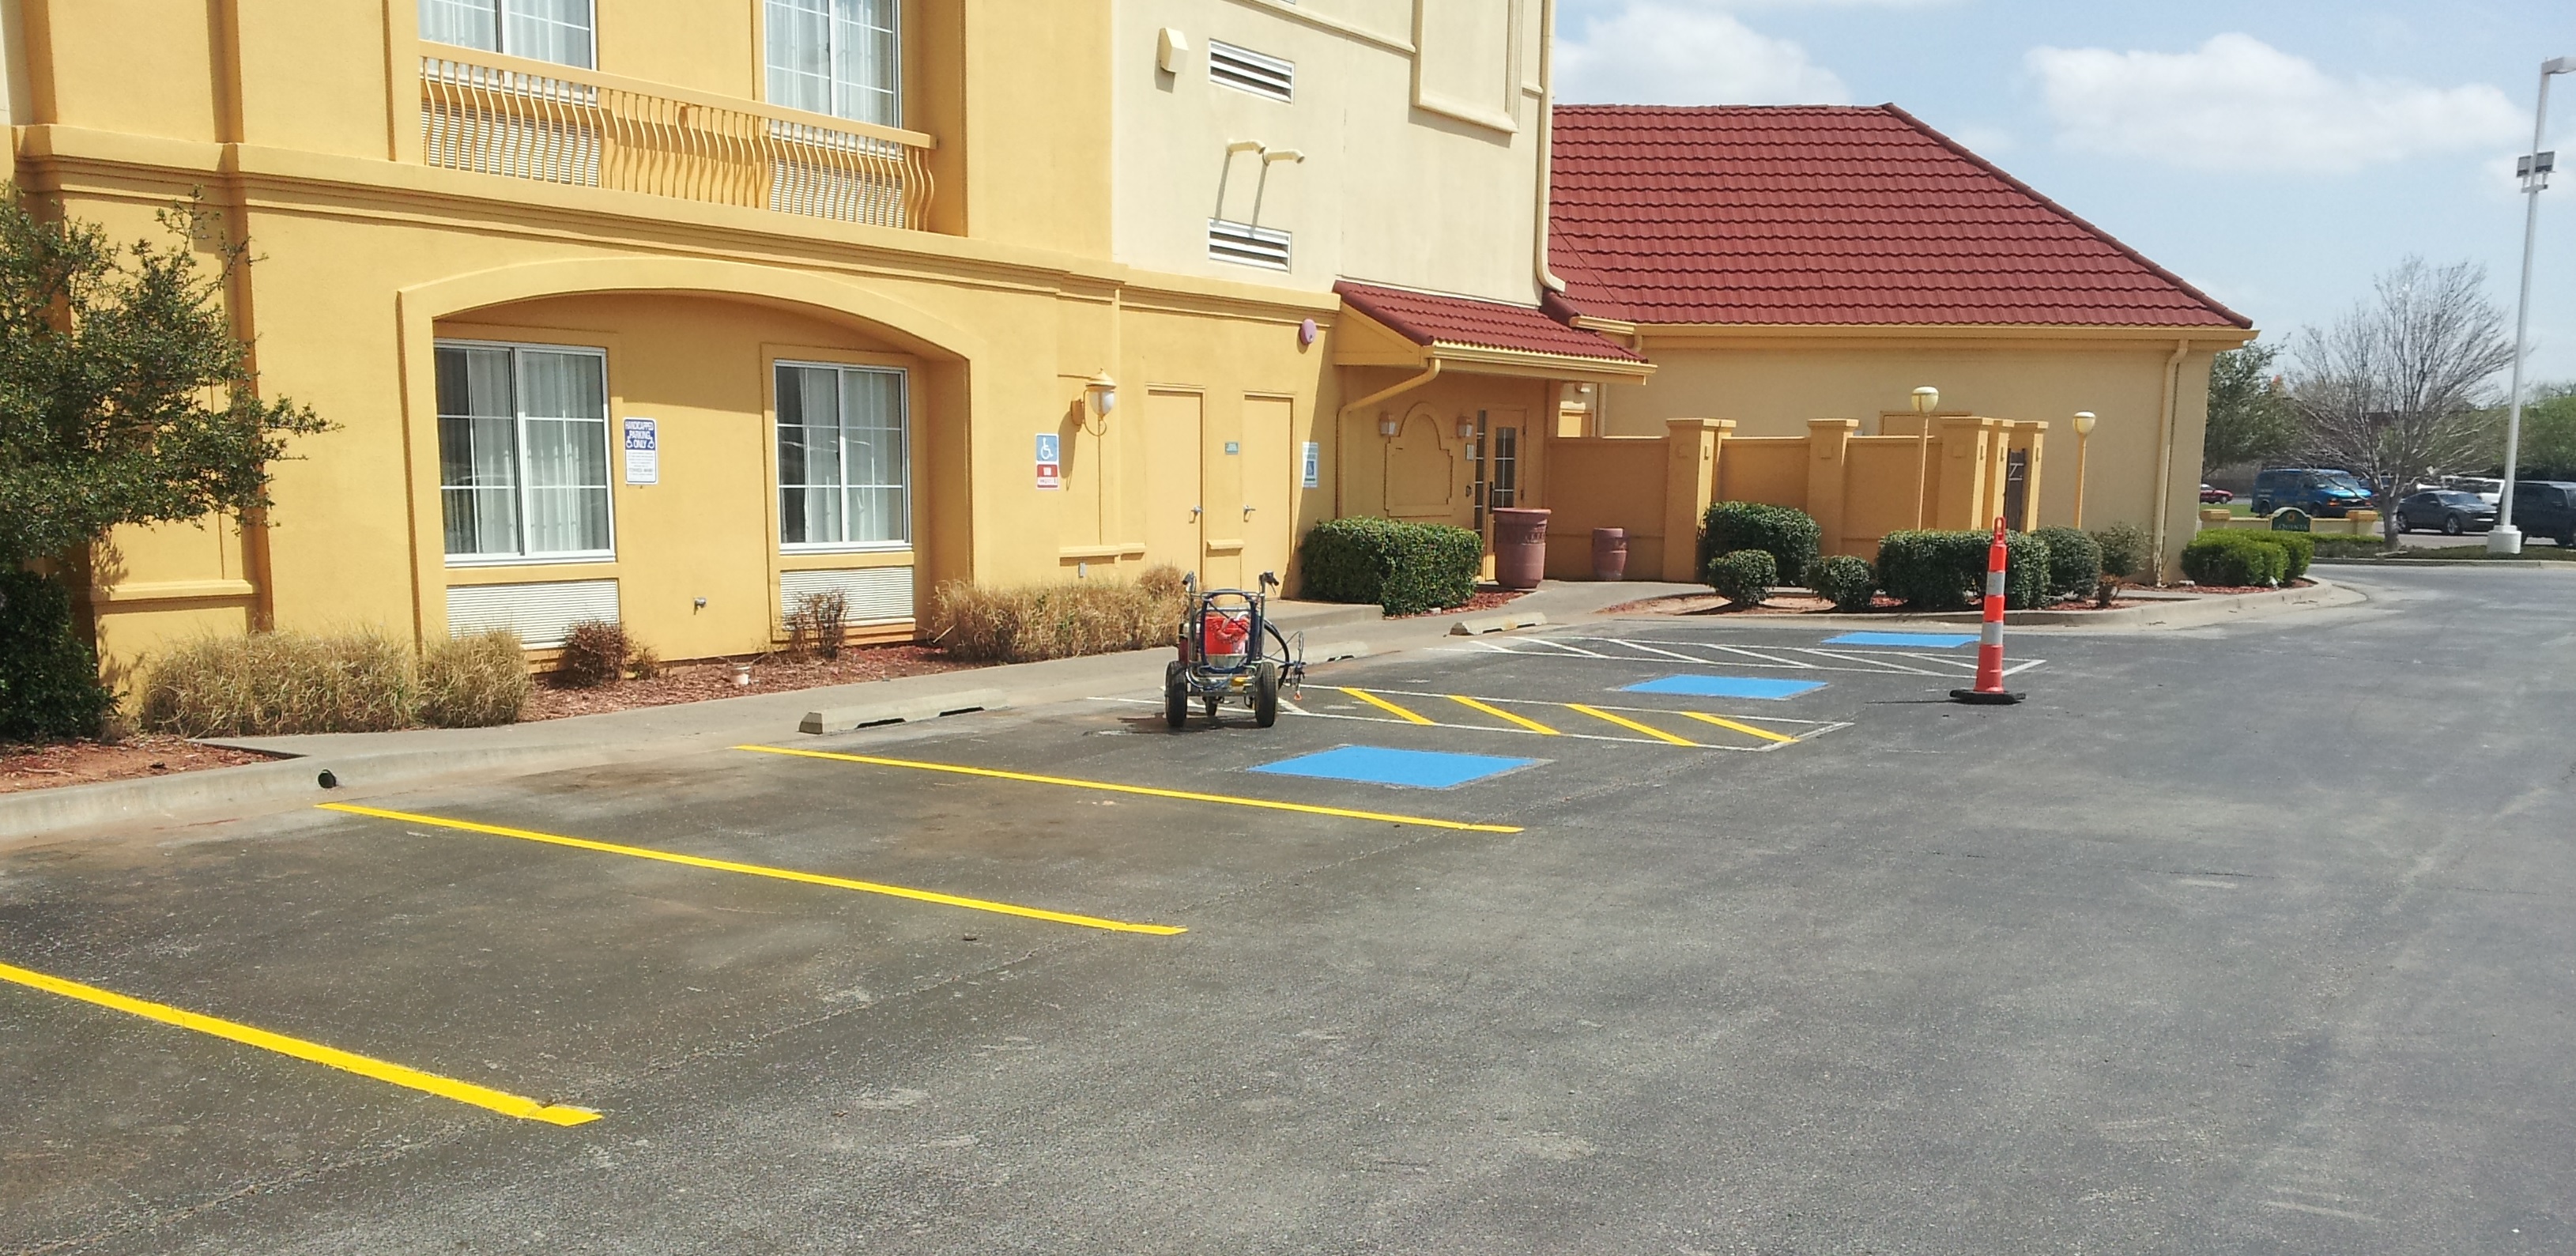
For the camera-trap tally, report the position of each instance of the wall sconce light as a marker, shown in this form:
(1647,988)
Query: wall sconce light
(1101,394)
(1927,399)
(1466,428)
(1388,425)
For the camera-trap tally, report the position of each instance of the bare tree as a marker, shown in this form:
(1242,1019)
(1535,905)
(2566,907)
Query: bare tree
(2393,389)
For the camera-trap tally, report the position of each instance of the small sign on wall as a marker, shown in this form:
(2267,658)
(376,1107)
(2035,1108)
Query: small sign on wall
(643,451)
(1313,475)
(1050,466)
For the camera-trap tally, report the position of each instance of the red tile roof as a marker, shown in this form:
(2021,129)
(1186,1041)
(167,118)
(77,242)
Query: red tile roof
(1425,318)
(1841,215)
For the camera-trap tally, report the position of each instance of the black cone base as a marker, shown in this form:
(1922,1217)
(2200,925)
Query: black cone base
(1980,697)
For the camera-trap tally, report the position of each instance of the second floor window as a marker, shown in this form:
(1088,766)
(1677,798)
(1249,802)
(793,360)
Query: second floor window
(840,57)
(540,30)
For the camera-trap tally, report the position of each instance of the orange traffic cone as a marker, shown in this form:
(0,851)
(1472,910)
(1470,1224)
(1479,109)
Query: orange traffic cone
(1990,640)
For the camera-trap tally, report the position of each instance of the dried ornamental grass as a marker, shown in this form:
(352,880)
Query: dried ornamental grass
(1025,624)
(474,681)
(594,654)
(274,683)
(819,624)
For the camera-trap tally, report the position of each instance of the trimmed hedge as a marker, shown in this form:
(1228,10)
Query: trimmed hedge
(1791,538)
(1946,571)
(2074,562)
(49,684)
(1744,576)
(2300,546)
(1407,568)
(1843,580)
(2231,557)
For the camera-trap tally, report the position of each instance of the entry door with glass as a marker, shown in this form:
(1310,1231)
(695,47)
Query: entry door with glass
(1496,456)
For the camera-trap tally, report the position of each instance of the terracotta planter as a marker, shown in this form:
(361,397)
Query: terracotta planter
(1609,553)
(1520,547)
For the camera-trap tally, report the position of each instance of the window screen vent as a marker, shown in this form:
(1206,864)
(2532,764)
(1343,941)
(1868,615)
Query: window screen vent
(1247,245)
(1247,71)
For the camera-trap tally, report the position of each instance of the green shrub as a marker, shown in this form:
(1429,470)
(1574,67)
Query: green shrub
(1791,538)
(1024,624)
(2333,546)
(2301,548)
(475,681)
(2228,556)
(1407,568)
(48,673)
(273,683)
(1843,580)
(2074,562)
(1745,576)
(1946,571)
(2124,550)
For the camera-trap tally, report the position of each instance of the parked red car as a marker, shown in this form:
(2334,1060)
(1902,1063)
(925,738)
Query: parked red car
(2215,496)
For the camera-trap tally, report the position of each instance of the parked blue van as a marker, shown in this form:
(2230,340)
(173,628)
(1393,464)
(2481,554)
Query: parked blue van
(2321,491)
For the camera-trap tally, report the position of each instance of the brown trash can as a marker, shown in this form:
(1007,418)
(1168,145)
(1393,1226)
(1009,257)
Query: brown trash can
(1609,553)
(1520,547)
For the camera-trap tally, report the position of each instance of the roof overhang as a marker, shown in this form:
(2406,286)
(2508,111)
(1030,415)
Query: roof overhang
(1360,340)
(1710,335)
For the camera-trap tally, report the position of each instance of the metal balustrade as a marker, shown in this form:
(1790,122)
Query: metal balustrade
(556,128)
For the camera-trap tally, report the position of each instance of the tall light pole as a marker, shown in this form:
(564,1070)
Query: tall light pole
(2083,425)
(1926,400)
(2534,169)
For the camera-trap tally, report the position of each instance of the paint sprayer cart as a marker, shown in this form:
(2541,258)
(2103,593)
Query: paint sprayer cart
(1231,652)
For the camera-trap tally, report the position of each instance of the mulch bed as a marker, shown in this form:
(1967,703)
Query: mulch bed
(699,682)
(85,762)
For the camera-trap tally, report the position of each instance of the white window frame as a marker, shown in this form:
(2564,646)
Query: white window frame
(519,452)
(778,485)
(830,58)
(501,35)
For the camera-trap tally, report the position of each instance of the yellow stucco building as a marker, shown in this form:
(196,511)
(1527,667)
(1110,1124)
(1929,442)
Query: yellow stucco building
(671,312)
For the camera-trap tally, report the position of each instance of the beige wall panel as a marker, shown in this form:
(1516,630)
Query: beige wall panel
(141,66)
(706,45)
(316,80)
(1466,56)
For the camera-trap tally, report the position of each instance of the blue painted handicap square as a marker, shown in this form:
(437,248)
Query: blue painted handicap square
(1381,765)
(1725,686)
(1919,640)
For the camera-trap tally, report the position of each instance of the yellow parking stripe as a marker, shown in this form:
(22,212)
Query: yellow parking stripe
(1656,733)
(757,870)
(1384,705)
(1530,724)
(1116,788)
(1763,733)
(429,1083)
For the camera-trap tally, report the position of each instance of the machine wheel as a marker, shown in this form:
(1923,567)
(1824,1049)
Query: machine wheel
(1176,695)
(1265,694)
(2451,526)
(1212,700)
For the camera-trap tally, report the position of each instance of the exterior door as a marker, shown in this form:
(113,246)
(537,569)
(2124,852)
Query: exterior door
(1497,461)
(1173,518)
(1221,528)
(1271,461)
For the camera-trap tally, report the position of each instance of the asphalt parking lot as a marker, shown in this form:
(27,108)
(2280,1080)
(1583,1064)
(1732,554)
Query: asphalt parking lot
(1632,936)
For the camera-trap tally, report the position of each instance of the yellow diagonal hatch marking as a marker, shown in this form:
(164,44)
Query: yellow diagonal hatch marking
(1763,733)
(1384,705)
(1624,722)
(1525,722)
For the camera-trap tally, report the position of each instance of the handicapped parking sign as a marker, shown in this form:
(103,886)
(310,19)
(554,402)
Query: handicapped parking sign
(1050,466)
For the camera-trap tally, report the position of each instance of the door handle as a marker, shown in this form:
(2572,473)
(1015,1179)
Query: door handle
(1247,512)
(1195,512)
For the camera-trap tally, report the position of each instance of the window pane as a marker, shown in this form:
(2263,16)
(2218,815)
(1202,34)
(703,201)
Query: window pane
(866,67)
(810,505)
(467,23)
(800,54)
(548,30)
(563,410)
(872,426)
(477,451)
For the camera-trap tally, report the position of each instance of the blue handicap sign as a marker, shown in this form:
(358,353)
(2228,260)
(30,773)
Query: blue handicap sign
(1382,765)
(1047,447)
(1700,686)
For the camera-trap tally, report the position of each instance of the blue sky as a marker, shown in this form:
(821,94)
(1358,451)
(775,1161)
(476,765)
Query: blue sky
(2277,154)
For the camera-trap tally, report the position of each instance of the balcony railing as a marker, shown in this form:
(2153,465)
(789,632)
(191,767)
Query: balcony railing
(589,131)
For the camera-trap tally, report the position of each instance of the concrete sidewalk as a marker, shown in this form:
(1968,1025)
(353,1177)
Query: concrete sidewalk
(348,765)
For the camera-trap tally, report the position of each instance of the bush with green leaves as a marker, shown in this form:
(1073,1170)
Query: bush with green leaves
(2232,557)
(2301,547)
(1744,576)
(1406,568)
(1946,571)
(1791,538)
(48,673)
(2124,550)
(1843,580)
(2074,562)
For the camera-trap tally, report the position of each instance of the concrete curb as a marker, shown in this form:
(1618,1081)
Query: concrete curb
(2526,564)
(926,707)
(2180,613)
(1483,624)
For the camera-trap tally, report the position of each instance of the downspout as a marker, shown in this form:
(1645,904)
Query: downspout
(1341,428)
(1547,279)
(2164,465)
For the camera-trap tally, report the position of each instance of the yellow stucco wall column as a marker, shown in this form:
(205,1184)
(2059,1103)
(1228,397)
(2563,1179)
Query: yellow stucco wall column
(1962,477)
(1691,450)
(1828,476)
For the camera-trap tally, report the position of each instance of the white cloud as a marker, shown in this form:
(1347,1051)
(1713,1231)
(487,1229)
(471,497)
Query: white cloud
(1654,52)
(2237,103)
